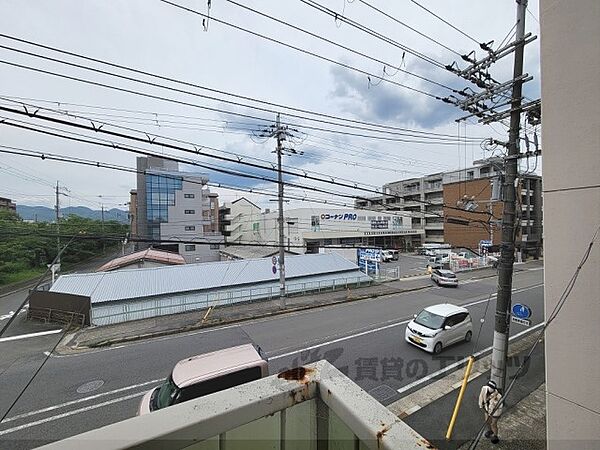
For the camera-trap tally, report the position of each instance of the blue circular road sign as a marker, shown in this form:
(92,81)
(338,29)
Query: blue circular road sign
(521,311)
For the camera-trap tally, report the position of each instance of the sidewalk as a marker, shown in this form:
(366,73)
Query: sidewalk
(106,335)
(522,425)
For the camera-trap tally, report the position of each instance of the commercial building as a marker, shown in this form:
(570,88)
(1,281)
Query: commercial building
(7,203)
(570,63)
(308,229)
(176,206)
(427,198)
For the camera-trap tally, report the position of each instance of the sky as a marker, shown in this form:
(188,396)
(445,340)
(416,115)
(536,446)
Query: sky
(158,38)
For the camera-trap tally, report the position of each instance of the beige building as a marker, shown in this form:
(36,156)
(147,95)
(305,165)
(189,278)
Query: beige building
(570,55)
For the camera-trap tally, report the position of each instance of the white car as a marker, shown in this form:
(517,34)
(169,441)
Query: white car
(438,326)
(444,277)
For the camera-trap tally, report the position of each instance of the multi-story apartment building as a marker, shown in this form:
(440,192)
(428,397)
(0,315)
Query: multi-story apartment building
(425,198)
(176,206)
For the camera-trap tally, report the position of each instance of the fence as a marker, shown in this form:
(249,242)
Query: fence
(111,312)
(457,265)
(49,315)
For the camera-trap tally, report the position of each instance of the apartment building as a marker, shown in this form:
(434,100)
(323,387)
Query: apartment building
(425,197)
(176,206)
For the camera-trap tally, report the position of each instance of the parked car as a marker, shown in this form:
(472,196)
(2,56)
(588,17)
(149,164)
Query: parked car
(389,255)
(443,277)
(205,374)
(439,326)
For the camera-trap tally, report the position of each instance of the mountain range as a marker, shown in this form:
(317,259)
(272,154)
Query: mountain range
(45,214)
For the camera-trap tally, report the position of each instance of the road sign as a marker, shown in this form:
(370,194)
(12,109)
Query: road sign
(525,322)
(521,311)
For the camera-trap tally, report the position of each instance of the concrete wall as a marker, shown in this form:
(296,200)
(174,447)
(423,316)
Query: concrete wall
(570,54)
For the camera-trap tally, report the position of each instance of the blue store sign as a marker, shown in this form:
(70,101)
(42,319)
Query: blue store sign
(521,311)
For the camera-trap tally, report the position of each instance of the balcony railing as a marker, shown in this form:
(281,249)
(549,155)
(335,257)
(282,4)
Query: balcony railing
(308,407)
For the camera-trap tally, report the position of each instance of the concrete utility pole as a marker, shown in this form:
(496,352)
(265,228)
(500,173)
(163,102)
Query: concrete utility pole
(57,210)
(507,255)
(103,240)
(279,151)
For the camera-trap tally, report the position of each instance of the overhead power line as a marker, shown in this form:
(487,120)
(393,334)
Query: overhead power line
(446,22)
(113,145)
(337,16)
(315,55)
(356,52)
(18,151)
(428,139)
(398,21)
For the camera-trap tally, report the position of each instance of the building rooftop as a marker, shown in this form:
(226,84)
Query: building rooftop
(250,252)
(137,283)
(159,256)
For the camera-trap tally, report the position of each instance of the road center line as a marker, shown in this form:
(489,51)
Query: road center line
(80,400)
(30,335)
(378,329)
(71,413)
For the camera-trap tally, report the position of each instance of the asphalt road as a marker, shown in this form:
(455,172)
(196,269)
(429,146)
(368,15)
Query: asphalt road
(365,339)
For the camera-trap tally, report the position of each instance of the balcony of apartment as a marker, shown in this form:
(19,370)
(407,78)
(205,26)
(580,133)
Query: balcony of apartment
(434,224)
(434,186)
(309,407)
(435,199)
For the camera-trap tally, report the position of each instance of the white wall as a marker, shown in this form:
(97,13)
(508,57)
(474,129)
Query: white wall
(570,55)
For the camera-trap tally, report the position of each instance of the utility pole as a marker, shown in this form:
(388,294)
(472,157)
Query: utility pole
(279,150)
(102,228)
(507,255)
(281,133)
(57,208)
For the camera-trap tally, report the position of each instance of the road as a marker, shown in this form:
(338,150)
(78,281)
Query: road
(75,393)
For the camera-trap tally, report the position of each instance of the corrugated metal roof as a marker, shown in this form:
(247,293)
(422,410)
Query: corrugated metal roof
(138,283)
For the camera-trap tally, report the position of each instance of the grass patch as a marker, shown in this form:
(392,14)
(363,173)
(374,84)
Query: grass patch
(22,275)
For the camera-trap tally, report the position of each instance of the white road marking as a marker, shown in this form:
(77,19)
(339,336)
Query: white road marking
(10,314)
(30,335)
(378,329)
(236,325)
(462,361)
(70,413)
(80,400)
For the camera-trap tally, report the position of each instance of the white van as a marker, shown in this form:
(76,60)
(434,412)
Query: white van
(204,374)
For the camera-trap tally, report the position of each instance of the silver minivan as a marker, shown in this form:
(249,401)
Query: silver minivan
(204,374)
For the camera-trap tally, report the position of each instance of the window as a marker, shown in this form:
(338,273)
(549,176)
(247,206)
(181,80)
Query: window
(190,247)
(214,246)
(255,226)
(190,228)
(189,211)
(456,319)
(470,175)
(189,196)
(218,384)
